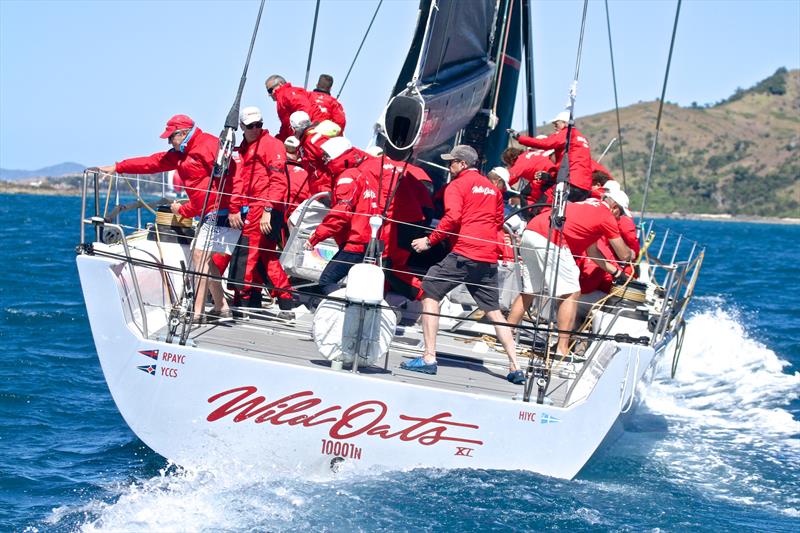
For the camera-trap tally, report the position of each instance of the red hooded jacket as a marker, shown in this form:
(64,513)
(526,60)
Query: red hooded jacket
(473,212)
(261,178)
(355,199)
(194,165)
(328,107)
(580,156)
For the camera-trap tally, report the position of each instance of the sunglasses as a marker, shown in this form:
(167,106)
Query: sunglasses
(270,90)
(253,125)
(174,133)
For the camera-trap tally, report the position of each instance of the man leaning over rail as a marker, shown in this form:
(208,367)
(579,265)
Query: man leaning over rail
(473,216)
(192,156)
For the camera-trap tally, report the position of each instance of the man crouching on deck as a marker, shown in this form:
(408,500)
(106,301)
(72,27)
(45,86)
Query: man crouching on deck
(472,218)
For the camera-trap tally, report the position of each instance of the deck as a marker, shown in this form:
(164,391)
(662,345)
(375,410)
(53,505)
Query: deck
(467,363)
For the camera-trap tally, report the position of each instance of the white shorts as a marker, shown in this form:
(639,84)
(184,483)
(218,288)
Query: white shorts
(564,280)
(217,239)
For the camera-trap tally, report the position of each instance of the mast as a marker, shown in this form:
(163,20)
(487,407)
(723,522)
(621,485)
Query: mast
(527,39)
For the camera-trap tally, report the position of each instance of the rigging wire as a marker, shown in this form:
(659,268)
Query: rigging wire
(660,110)
(616,100)
(311,47)
(375,14)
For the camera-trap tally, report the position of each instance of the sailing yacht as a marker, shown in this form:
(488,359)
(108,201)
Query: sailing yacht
(324,391)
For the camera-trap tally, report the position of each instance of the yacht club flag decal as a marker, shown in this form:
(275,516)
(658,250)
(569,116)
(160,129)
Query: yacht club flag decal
(152,354)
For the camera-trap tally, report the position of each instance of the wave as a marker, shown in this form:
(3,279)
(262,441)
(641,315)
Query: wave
(731,434)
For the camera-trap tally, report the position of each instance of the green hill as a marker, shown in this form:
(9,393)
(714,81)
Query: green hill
(740,156)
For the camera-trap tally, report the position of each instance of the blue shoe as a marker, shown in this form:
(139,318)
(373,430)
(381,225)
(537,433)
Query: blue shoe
(517,377)
(419,365)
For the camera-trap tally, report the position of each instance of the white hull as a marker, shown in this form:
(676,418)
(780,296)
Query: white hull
(196,405)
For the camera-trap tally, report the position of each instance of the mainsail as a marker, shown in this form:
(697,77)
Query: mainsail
(451,67)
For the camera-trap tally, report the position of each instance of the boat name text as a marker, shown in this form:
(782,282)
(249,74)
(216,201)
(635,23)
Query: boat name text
(362,418)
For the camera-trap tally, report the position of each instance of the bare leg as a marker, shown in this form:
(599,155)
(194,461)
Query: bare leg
(202,284)
(505,337)
(215,286)
(566,320)
(522,302)
(430,327)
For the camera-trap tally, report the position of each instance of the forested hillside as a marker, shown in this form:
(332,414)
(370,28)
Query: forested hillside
(739,156)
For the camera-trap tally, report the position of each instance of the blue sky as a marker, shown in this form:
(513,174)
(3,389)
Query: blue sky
(94,81)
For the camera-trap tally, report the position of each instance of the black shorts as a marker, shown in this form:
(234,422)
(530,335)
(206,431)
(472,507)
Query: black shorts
(479,277)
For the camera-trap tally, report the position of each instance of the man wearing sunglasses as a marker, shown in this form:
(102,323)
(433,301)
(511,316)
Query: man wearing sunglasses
(289,99)
(192,155)
(257,206)
(472,219)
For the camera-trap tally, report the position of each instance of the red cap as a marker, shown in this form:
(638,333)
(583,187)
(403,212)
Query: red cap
(178,122)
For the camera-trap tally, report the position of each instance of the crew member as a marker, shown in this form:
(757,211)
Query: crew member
(473,215)
(355,199)
(257,208)
(586,222)
(313,157)
(297,175)
(593,277)
(409,206)
(580,157)
(192,156)
(328,107)
(289,99)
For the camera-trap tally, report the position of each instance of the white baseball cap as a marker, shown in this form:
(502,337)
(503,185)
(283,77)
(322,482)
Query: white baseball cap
(291,143)
(299,120)
(249,115)
(620,198)
(563,117)
(502,173)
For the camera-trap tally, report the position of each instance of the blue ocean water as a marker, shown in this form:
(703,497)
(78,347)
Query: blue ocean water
(717,448)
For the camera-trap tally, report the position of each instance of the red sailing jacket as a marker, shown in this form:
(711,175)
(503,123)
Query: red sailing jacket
(328,107)
(580,156)
(194,165)
(354,201)
(627,230)
(592,276)
(290,99)
(525,167)
(261,179)
(473,211)
(587,222)
(315,161)
(411,195)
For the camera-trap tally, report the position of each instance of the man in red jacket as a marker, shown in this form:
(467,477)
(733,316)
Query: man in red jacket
(536,172)
(328,107)
(580,156)
(552,264)
(408,199)
(192,156)
(289,99)
(592,276)
(473,216)
(355,199)
(257,207)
